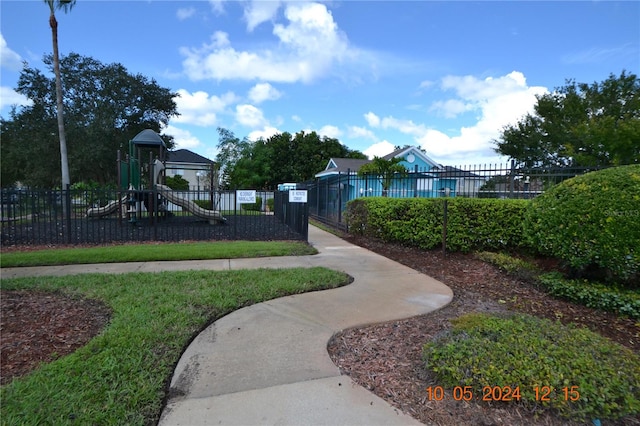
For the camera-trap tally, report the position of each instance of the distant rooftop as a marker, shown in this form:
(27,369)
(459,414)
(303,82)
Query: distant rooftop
(186,156)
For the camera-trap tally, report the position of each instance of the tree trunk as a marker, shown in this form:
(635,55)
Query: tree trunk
(64,164)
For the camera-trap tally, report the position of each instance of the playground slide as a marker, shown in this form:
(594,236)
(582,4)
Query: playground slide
(190,206)
(110,208)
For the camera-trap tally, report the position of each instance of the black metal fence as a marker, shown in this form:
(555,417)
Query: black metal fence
(329,195)
(56,217)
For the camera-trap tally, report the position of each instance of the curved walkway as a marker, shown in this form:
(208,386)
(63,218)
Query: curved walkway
(268,363)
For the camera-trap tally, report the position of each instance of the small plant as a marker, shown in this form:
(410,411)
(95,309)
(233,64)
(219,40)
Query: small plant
(610,297)
(511,265)
(574,371)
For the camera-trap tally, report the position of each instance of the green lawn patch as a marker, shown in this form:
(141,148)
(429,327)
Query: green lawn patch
(156,252)
(574,371)
(119,376)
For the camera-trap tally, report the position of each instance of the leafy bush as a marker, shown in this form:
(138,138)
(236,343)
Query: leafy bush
(472,223)
(527,352)
(177,183)
(205,204)
(270,203)
(511,265)
(592,222)
(257,206)
(594,295)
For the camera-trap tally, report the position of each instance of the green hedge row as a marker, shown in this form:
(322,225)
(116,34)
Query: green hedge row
(472,224)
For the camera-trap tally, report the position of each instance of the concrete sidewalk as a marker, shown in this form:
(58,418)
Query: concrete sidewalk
(268,363)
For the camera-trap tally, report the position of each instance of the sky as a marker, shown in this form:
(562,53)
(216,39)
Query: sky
(446,76)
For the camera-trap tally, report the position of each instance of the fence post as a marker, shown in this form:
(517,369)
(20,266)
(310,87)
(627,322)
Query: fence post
(444,226)
(67,201)
(512,178)
(235,213)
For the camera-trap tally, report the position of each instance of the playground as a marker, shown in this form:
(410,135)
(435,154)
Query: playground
(142,208)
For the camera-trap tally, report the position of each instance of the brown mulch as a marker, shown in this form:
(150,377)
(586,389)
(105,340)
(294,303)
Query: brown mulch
(385,358)
(38,327)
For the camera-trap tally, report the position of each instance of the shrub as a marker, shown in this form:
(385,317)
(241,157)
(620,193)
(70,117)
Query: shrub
(253,207)
(513,266)
(527,352)
(205,204)
(472,223)
(270,203)
(594,295)
(177,183)
(591,222)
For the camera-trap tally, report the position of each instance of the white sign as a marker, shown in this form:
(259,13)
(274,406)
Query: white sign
(246,197)
(297,196)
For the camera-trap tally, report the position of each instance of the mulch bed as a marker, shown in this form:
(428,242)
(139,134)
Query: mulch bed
(39,327)
(387,358)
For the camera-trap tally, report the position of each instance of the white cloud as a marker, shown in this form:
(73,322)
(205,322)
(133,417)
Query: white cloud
(258,12)
(217,6)
(265,133)
(8,58)
(183,138)
(357,132)
(379,149)
(330,131)
(250,116)
(499,101)
(372,119)
(263,92)
(296,118)
(308,47)
(9,97)
(200,108)
(450,108)
(185,13)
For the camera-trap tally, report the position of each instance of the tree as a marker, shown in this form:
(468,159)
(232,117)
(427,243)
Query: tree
(384,170)
(65,5)
(280,158)
(105,107)
(579,124)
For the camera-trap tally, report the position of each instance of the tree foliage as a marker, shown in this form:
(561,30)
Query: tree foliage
(105,106)
(385,170)
(281,158)
(579,124)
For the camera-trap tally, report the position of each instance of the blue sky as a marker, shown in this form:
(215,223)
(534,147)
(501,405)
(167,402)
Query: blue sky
(446,76)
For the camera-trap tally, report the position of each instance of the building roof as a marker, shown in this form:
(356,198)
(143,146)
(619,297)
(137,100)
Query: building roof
(402,152)
(186,156)
(342,165)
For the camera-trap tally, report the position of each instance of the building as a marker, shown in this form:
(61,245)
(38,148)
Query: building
(194,168)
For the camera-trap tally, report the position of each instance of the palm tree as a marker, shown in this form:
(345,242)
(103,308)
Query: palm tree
(385,170)
(65,5)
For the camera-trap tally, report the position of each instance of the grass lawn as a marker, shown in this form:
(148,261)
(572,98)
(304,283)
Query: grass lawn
(156,252)
(119,377)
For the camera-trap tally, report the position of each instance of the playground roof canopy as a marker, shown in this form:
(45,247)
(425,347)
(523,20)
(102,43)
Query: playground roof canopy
(148,139)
